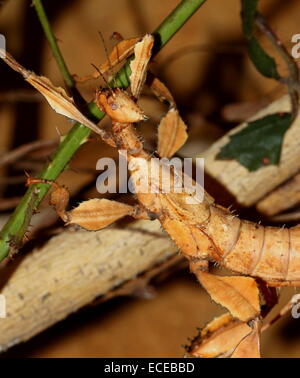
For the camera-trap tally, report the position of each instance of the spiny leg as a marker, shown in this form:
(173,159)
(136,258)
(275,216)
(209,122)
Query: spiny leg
(59,197)
(93,214)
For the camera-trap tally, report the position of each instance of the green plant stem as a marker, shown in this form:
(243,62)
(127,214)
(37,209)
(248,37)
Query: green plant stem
(38,5)
(79,133)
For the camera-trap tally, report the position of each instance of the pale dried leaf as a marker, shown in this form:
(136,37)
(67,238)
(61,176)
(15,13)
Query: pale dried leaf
(96,214)
(159,89)
(56,96)
(138,66)
(171,134)
(249,347)
(219,337)
(240,295)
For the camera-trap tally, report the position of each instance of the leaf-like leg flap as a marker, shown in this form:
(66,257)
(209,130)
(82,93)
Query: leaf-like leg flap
(120,51)
(96,214)
(56,97)
(138,66)
(225,337)
(249,347)
(240,295)
(219,337)
(172,134)
(159,89)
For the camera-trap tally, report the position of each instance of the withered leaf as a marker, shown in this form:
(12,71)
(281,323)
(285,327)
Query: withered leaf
(219,337)
(249,347)
(56,96)
(171,134)
(138,66)
(240,295)
(97,213)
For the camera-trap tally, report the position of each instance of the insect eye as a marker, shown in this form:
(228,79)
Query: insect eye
(114,106)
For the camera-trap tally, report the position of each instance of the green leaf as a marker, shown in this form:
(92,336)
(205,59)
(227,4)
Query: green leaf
(259,143)
(265,64)
(248,15)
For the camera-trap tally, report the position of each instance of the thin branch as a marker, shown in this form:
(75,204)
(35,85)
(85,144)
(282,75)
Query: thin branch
(38,5)
(9,203)
(17,153)
(141,286)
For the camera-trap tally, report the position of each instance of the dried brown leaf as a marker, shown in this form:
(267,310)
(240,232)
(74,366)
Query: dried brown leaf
(96,214)
(56,96)
(240,295)
(138,66)
(171,134)
(219,337)
(249,347)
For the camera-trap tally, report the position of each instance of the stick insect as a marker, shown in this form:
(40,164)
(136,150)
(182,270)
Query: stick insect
(203,231)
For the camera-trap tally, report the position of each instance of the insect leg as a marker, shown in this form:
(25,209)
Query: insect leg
(59,198)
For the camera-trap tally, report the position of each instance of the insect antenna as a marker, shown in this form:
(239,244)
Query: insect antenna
(112,73)
(117,37)
(104,78)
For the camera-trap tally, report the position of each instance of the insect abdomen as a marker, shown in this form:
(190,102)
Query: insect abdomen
(270,253)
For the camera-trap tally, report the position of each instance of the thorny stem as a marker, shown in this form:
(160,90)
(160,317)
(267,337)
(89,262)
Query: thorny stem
(38,5)
(79,133)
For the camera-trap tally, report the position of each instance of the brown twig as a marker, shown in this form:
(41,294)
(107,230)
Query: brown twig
(9,203)
(141,286)
(19,152)
(20,95)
